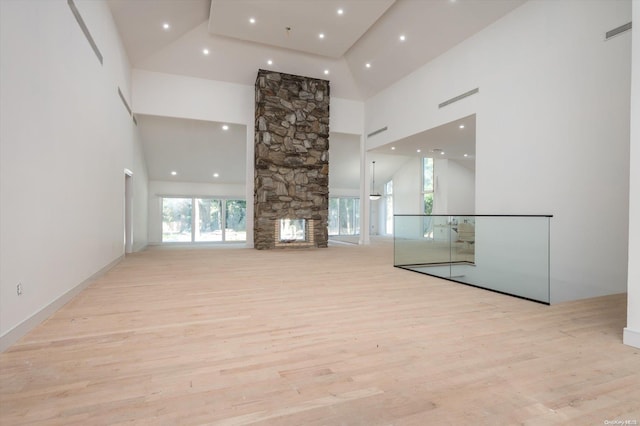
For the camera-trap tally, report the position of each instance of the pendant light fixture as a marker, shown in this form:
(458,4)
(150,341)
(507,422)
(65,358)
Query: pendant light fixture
(374,195)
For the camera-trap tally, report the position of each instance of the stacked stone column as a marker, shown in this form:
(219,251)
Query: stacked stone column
(291,154)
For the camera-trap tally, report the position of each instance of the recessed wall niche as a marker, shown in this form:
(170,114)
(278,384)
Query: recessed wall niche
(291,161)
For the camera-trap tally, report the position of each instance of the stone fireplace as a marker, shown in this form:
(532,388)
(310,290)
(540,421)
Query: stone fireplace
(291,196)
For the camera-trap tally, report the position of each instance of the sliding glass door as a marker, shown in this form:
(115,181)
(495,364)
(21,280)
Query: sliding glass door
(344,216)
(176,219)
(209,220)
(203,219)
(235,219)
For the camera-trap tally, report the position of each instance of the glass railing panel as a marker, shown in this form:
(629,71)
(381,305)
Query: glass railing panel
(422,244)
(509,254)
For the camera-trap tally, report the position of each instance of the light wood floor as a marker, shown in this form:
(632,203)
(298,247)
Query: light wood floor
(332,336)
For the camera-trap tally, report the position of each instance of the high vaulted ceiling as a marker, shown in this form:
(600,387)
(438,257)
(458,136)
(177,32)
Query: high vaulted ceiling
(325,28)
(242,36)
(367,32)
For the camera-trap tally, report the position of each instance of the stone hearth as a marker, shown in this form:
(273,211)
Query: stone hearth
(291,158)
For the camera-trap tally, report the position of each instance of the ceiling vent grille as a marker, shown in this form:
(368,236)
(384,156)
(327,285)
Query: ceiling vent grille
(375,132)
(84,29)
(617,31)
(459,97)
(124,101)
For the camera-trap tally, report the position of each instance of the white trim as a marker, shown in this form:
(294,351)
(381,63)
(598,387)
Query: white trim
(631,337)
(20,330)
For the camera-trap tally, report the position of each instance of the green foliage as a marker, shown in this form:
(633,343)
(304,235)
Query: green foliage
(236,215)
(428,203)
(176,213)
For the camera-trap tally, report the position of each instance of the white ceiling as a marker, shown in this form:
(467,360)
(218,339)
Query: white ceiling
(344,162)
(297,25)
(448,141)
(431,27)
(367,32)
(194,149)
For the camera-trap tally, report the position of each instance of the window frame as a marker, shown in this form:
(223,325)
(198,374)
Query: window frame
(195,218)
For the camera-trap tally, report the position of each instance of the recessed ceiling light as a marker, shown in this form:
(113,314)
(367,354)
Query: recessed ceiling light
(252,20)
(205,51)
(466,155)
(326,72)
(321,35)
(269,62)
(441,152)
(368,65)
(174,173)
(340,11)
(402,37)
(225,127)
(461,126)
(166,26)
(393,148)
(216,175)
(417,150)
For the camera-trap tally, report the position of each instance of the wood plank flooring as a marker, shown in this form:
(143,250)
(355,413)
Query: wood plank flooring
(332,336)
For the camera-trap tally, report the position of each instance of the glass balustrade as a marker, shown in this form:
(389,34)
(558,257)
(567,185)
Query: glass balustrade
(507,254)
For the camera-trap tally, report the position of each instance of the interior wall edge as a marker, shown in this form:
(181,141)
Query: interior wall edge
(140,247)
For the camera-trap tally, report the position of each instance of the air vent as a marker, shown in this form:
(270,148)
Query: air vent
(459,97)
(124,101)
(616,31)
(84,29)
(375,132)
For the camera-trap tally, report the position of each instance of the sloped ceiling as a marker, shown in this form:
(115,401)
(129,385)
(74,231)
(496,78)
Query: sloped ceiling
(194,149)
(366,32)
(324,28)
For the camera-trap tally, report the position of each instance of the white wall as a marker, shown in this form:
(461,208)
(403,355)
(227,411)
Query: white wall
(347,116)
(407,188)
(158,189)
(455,187)
(552,128)
(65,141)
(407,198)
(632,331)
(344,192)
(180,96)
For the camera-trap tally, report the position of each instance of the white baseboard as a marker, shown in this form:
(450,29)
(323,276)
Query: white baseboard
(20,330)
(631,337)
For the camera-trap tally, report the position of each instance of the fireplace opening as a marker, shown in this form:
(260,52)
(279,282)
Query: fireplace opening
(292,230)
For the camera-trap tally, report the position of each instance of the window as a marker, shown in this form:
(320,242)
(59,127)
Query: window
(344,216)
(427,194)
(209,220)
(427,184)
(212,220)
(176,219)
(388,195)
(235,220)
